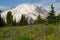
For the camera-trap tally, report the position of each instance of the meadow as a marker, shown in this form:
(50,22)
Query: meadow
(31,32)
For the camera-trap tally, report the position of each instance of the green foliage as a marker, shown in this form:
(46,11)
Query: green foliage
(51,37)
(23,21)
(18,37)
(2,23)
(39,20)
(30,32)
(14,23)
(49,30)
(31,21)
(58,18)
(51,18)
(9,18)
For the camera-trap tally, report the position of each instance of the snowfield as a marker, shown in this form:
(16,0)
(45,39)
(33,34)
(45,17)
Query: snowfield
(29,10)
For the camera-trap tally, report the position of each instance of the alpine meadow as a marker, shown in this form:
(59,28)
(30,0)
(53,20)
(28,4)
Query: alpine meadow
(30,20)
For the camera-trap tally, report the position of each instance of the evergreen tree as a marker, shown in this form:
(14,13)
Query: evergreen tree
(23,21)
(51,18)
(31,21)
(14,23)
(39,20)
(9,18)
(58,18)
(2,23)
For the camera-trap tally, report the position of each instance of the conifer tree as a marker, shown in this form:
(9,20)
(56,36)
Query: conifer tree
(23,21)
(39,20)
(58,18)
(14,23)
(51,18)
(9,18)
(2,23)
(31,21)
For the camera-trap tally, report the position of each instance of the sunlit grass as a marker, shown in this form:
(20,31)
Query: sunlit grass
(31,32)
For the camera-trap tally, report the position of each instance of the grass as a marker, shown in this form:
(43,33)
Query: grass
(31,32)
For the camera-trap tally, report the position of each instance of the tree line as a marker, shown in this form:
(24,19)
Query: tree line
(50,19)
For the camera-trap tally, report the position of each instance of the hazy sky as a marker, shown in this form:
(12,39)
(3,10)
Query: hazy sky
(6,4)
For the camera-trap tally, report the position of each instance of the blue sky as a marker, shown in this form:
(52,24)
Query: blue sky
(6,4)
(12,3)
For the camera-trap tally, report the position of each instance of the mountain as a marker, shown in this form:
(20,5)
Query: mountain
(29,10)
(1,11)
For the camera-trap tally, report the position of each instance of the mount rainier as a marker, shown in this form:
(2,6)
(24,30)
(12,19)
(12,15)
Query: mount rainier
(29,10)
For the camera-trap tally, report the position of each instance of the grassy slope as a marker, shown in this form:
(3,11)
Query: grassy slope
(31,32)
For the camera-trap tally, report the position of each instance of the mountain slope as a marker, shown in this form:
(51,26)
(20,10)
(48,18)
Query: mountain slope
(29,10)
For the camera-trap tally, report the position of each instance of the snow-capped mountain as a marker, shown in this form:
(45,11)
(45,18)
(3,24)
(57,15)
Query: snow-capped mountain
(29,10)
